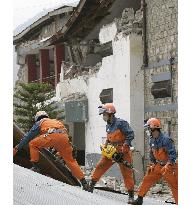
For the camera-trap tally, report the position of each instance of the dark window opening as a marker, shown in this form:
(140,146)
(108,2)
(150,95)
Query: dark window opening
(161,89)
(106,96)
(79,142)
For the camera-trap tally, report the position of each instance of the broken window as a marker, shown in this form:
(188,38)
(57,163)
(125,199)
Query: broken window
(106,96)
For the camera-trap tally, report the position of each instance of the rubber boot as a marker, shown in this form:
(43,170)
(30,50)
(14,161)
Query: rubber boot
(35,167)
(131,197)
(84,184)
(138,201)
(91,186)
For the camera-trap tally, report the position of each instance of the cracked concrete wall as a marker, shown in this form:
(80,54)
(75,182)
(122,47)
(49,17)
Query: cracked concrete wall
(68,87)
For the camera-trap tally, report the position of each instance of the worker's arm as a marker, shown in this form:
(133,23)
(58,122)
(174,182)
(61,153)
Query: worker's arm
(34,131)
(169,145)
(127,131)
(107,142)
(152,158)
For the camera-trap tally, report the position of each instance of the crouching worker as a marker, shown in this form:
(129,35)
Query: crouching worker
(163,161)
(120,135)
(46,133)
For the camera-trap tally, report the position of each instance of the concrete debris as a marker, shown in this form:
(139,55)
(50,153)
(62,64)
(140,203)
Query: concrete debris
(105,181)
(73,70)
(32,42)
(138,16)
(130,22)
(123,197)
(158,188)
(161,190)
(128,15)
(74,97)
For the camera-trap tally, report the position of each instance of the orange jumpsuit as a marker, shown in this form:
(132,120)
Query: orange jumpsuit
(162,152)
(118,133)
(38,138)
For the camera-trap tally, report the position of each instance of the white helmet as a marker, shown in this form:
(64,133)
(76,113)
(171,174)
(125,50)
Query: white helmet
(39,114)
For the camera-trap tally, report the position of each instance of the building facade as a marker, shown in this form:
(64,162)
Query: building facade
(161,73)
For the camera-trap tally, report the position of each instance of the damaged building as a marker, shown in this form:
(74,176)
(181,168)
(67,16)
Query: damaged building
(39,59)
(122,51)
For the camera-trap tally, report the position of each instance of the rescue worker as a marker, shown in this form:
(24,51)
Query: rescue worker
(163,161)
(46,133)
(120,135)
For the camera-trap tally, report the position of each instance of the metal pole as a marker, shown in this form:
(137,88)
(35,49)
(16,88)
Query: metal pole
(145,56)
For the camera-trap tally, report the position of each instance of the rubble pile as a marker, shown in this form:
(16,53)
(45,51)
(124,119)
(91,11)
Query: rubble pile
(73,70)
(160,190)
(130,22)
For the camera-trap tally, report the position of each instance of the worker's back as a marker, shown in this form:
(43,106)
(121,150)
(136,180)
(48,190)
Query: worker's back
(48,123)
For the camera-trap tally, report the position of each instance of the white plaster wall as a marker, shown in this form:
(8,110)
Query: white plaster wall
(121,97)
(122,72)
(25,73)
(16,66)
(95,127)
(137,92)
(75,85)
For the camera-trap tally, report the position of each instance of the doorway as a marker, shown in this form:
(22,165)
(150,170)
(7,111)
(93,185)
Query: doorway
(79,141)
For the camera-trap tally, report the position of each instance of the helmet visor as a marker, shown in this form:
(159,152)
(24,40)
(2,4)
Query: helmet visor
(146,125)
(102,110)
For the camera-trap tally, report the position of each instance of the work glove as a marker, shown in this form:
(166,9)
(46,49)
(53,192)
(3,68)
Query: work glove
(57,154)
(167,168)
(15,150)
(151,168)
(125,148)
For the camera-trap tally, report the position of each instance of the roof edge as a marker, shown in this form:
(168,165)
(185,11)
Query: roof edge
(44,18)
